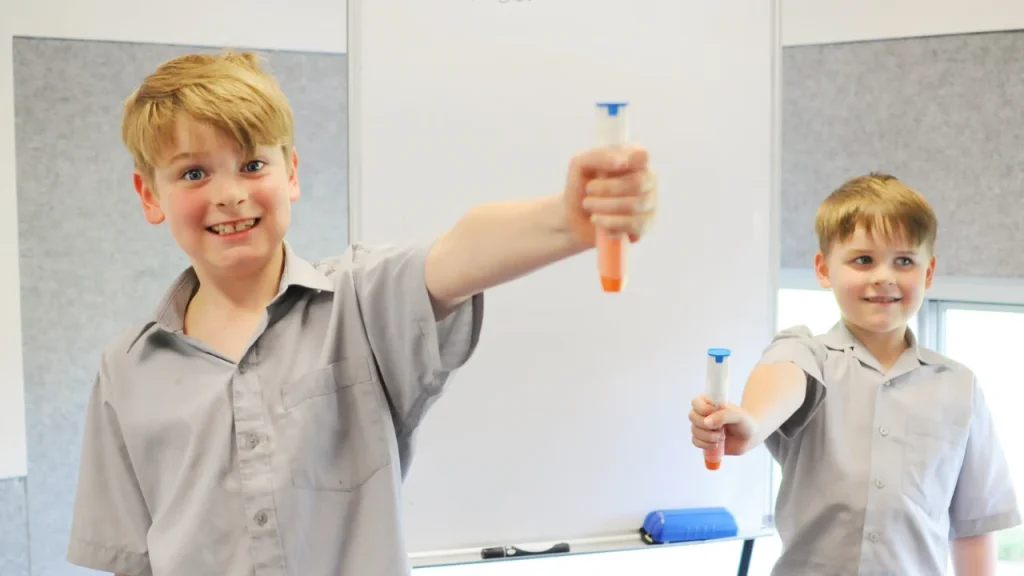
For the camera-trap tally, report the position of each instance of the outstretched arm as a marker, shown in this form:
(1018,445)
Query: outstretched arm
(772,394)
(499,242)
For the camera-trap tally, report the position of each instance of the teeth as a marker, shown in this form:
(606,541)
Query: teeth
(235,227)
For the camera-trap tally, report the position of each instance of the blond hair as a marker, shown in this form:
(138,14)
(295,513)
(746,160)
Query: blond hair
(880,204)
(228,91)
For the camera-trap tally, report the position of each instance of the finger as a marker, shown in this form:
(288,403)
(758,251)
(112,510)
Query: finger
(708,436)
(704,445)
(723,417)
(634,225)
(619,205)
(610,160)
(701,406)
(697,420)
(628,184)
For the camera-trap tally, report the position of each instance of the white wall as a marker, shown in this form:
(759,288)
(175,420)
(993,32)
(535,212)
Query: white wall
(306,25)
(829,21)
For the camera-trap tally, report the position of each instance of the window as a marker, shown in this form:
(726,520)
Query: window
(986,339)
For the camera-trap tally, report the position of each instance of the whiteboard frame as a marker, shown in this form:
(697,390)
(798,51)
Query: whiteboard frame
(775,226)
(355,194)
(353,39)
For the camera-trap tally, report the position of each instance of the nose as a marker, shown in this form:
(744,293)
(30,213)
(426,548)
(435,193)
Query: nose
(883,276)
(230,193)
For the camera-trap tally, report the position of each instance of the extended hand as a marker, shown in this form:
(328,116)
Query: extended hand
(613,189)
(712,425)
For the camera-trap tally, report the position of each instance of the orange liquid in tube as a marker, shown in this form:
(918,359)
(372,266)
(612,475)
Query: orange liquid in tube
(612,249)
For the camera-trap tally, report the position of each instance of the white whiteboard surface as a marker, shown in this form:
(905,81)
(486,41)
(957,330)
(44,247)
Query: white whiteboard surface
(570,422)
(306,25)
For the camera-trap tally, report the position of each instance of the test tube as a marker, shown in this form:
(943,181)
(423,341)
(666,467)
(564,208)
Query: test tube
(612,249)
(717,392)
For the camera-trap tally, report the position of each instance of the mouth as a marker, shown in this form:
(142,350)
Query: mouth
(883,299)
(232,228)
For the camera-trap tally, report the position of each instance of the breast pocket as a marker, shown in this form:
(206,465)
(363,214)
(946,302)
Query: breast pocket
(336,423)
(933,454)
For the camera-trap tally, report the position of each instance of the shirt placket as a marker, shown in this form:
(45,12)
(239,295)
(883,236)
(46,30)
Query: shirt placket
(883,485)
(253,438)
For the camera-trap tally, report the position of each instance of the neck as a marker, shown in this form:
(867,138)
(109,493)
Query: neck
(886,347)
(247,292)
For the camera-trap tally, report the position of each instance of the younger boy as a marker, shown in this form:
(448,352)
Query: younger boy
(888,450)
(260,422)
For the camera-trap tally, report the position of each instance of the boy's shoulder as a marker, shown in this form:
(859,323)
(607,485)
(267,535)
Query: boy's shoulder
(961,371)
(361,256)
(839,338)
(119,355)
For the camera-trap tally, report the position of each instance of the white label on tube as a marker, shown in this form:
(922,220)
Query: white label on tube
(612,124)
(717,390)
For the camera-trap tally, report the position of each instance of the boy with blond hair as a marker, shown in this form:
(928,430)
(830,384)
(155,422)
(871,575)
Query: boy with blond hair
(888,449)
(260,422)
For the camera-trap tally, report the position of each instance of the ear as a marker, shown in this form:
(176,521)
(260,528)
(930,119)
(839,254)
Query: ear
(150,203)
(821,270)
(929,274)
(293,178)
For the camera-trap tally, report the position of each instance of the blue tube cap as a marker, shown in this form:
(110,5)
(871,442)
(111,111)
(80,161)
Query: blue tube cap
(719,354)
(612,107)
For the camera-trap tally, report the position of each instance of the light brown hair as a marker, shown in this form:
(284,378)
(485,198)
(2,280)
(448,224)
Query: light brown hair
(880,203)
(229,91)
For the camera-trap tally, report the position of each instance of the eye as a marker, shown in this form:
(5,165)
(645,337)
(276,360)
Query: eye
(193,174)
(253,166)
(904,261)
(862,260)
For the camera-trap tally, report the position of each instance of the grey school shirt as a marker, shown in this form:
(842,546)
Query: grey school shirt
(882,468)
(289,462)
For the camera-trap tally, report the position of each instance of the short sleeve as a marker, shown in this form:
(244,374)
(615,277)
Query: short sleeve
(797,345)
(110,518)
(984,499)
(415,353)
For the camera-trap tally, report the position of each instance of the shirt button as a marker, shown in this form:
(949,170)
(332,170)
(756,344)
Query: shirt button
(253,440)
(261,518)
(241,368)
(873,536)
(887,383)
(883,431)
(879,482)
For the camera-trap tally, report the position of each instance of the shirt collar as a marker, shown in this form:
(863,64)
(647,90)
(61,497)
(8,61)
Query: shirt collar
(169,314)
(840,338)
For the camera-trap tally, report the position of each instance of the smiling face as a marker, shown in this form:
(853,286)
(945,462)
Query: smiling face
(878,283)
(228,210)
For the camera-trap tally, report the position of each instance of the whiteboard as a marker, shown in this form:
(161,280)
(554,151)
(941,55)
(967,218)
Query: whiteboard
(570,421)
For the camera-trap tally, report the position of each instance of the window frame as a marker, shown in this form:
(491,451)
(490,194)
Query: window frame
(946,293)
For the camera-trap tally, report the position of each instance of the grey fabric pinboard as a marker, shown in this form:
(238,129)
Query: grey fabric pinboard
(13,528)
(942,113)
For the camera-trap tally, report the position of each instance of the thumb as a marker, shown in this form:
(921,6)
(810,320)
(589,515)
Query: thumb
(727,415)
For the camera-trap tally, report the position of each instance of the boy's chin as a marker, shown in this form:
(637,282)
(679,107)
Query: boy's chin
(237,260)
(878,326)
